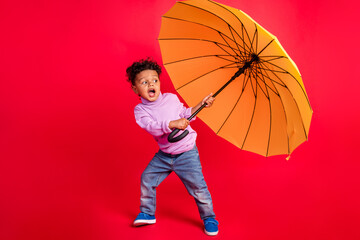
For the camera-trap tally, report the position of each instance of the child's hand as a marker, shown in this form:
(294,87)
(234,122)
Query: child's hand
(208,100)
(181,123)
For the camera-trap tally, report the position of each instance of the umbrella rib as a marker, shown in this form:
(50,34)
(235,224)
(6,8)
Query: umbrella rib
(254,88)
(255,35)
(272,58)
(265,47)
(269,62)
(283,108)
(238,55)
(232,110)
(270,109)
(255,76)
(191,81)
(270,128)
(220,17)
(297,106)
(277,71)
(202,56)
(242,33)
(237,45)
(251,121)
(242,91)
(241,56)
(226,51)
(271,85)
(242,25)
(267,95)
(303,90)
(183,20)
(204,40)
(266,69)
(286,72)
(283,70)
(265,75)
(246,76)
(270,122)
(246,81)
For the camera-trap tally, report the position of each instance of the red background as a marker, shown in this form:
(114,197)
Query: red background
(71,154)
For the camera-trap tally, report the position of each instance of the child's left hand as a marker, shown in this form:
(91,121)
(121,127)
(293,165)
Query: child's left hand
(209,100)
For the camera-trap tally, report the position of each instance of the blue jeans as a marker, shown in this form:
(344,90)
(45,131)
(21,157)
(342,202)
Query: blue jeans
(187,167)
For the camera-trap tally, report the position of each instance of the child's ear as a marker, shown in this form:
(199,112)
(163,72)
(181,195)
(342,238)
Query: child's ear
(135,89)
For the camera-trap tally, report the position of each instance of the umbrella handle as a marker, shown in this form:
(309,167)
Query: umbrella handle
(172,138)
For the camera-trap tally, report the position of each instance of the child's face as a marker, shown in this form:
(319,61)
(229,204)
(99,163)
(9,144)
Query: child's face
(147,85)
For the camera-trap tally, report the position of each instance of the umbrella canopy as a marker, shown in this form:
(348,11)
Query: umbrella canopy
(210,47)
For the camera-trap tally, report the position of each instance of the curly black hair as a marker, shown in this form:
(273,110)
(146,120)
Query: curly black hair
(139,66)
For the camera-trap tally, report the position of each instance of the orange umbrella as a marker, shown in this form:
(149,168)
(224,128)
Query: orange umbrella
(210,47)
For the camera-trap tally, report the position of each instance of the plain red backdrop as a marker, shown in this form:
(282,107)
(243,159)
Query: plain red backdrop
(71,154)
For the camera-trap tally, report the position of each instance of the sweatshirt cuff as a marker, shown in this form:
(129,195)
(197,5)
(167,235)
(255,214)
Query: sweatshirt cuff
(165,126)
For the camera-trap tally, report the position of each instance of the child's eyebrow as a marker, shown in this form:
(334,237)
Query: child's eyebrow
(146,76)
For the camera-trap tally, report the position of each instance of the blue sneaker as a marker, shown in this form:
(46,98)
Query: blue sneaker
(211,226)
(144,219)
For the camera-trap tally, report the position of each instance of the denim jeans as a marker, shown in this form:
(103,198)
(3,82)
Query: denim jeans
(188,168)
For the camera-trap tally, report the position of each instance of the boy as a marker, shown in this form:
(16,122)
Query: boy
(159,114)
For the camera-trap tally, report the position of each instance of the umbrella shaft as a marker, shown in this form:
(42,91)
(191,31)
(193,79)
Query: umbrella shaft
(197,111)
(237,74)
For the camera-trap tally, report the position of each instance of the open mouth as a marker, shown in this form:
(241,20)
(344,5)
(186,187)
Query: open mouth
(152,92)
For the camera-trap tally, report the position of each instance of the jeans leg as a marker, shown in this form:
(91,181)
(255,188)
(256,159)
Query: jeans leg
(188,167)
(156,171)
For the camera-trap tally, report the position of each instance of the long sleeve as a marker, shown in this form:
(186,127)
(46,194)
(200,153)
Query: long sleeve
(145,121)
(186,113)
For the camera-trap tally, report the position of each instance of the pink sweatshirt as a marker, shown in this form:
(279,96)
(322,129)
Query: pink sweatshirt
(155,117)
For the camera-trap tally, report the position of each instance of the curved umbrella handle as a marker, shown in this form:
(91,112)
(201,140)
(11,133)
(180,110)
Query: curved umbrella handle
(173,139)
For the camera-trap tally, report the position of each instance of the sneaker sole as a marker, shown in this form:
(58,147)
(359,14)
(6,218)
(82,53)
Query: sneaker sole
(211,233)
(138,223)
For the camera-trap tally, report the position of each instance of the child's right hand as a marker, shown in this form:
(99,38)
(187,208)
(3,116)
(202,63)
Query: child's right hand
(181,123)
